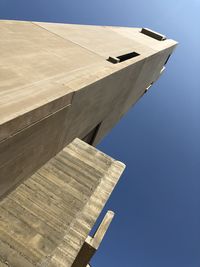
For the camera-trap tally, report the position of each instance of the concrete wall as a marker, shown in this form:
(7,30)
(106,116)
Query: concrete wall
(65,87)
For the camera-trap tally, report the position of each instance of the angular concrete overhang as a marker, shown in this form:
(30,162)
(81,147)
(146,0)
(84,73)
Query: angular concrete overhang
(56,84)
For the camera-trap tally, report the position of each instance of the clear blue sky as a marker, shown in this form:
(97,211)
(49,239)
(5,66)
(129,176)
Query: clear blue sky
(158,199)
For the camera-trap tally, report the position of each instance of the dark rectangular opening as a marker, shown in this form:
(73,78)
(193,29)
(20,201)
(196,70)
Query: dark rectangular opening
(127,56)
(152,34)
(122,58)
(167,59)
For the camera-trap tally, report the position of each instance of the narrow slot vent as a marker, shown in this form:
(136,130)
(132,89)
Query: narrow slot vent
(167,59)
(122,58)
(148,88)
(152,34)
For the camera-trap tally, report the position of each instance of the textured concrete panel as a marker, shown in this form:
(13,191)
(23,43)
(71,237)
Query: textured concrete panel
(46,219)
(47,67)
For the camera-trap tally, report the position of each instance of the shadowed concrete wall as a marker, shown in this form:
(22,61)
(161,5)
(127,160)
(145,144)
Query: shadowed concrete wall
(56,84)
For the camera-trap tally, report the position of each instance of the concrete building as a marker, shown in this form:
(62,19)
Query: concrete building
(60,83)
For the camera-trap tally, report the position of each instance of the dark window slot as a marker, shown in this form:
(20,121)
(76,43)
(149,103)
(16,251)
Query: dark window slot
(127,56)
(122,58)
(152,34)
(167,59)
